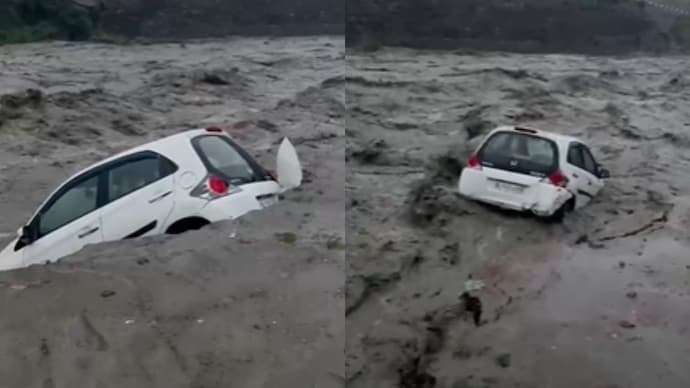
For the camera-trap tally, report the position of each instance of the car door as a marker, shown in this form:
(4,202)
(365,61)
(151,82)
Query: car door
(581,179)
(591,167)
(139,196)
(67,222)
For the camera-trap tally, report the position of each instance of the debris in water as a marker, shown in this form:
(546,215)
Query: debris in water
(473,285)
(45,350)
(627,324)
(631,294)
(107,293)
(129,321)
(473,305)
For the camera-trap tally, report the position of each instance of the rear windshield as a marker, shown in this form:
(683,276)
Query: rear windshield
(520,152)
(222,157)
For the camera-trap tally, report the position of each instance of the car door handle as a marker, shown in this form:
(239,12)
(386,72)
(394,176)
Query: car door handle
(575,175)
(159,197)
(86,231)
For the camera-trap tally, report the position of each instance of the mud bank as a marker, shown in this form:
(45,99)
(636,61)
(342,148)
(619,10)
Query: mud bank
(31,20)
(210,18)
(217,307)
(605,290)
(525,26)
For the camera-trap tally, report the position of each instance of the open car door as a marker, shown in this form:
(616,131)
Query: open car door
(288,167)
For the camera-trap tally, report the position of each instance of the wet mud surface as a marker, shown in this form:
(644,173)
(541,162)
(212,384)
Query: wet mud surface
(605,291)
(257,303)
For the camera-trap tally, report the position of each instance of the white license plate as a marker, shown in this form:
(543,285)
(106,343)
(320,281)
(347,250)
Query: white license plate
(266,202)
(508,187)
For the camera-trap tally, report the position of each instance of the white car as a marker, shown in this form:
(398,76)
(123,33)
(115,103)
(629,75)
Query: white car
(527,169)
(171,185)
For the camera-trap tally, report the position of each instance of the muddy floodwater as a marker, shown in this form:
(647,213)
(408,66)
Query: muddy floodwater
(256,303)
(598,301)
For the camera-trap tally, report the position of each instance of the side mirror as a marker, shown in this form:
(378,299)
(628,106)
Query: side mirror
(604,173)
(24,234)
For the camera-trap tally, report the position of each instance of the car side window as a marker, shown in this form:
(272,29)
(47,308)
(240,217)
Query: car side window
(575,156)
(589,163)
(167,166)
(133,175)
(77,201)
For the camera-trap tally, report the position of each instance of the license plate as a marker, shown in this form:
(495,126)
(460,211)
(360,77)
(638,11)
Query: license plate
(268,201)
(508,187)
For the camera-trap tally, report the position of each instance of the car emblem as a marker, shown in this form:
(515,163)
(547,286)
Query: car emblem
(513,163)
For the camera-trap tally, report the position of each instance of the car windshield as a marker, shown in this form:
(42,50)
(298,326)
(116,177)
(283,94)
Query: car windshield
(221,156)
(520,152)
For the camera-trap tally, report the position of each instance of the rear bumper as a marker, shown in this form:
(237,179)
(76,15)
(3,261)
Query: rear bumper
(543,200)
(241,203)
(541,210)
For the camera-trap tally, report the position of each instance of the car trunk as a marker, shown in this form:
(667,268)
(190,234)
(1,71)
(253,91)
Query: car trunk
(266,193)
(512,169)
(246,185)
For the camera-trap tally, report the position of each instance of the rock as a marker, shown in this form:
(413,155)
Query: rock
(267,125)
(503,360)
(287,238)
(631,294)
(434,340)
(627,324)
(582,239)
(214,79)
(107,293)
(370,153)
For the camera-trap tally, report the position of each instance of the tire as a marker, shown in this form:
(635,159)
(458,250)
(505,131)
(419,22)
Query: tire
(560,214)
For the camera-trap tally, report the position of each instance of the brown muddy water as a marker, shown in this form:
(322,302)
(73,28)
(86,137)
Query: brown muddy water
(598,301)
(258,303)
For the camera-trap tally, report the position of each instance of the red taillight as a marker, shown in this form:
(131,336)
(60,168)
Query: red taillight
(558,179)
(217,185)
(214,129)
(473,162)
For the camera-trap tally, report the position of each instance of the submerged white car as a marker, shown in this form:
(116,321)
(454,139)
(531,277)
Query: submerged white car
(527,169)
(171,185)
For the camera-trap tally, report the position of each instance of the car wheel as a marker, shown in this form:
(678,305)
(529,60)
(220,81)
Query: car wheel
(187,224)
(559,215)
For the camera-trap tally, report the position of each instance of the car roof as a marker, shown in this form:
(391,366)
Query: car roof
(560,139)
(164,146)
